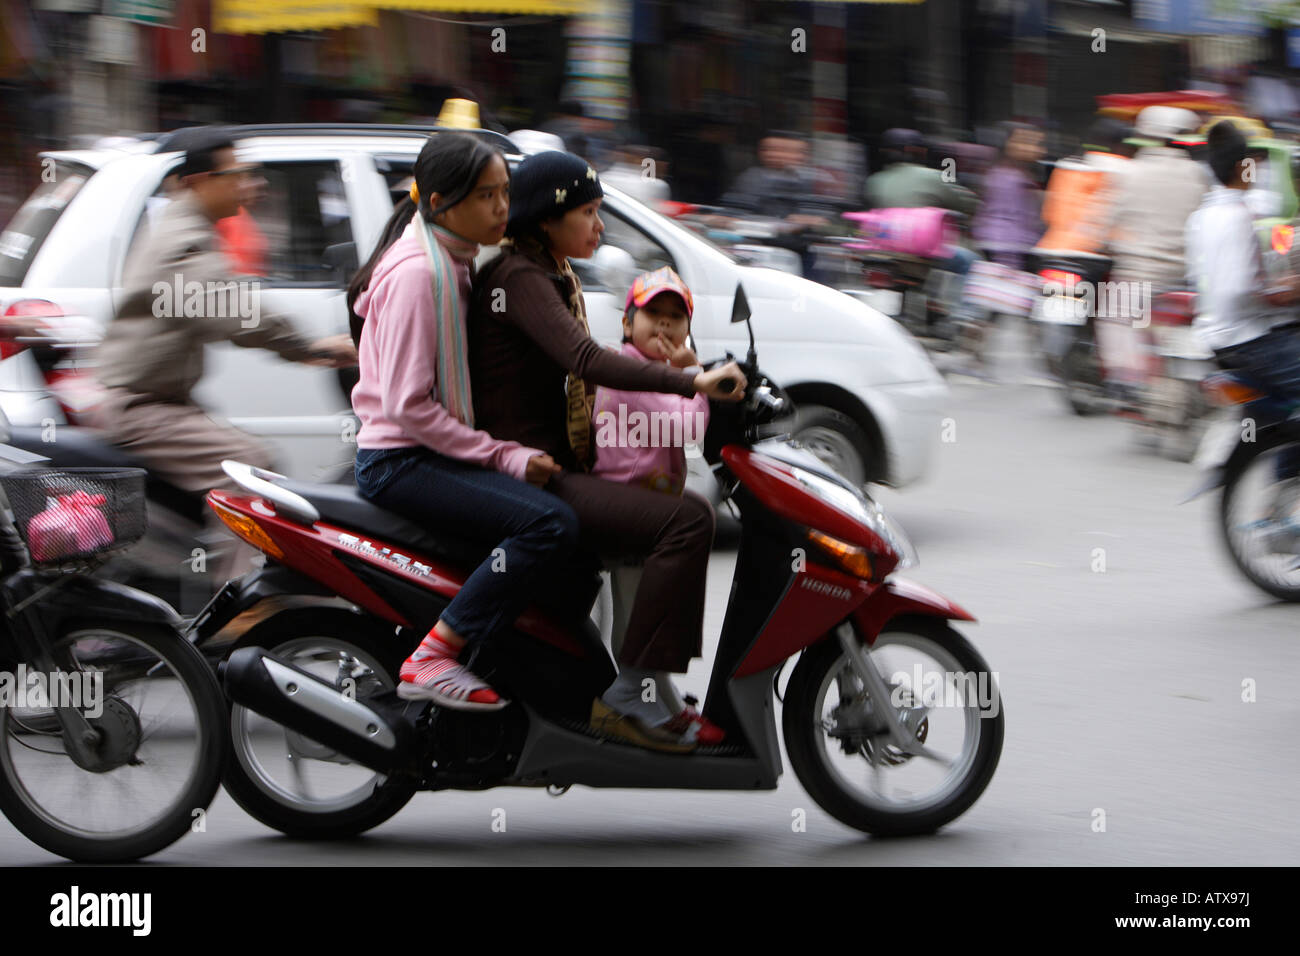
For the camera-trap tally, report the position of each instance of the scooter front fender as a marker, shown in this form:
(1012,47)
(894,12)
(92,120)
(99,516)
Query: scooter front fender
(898,597)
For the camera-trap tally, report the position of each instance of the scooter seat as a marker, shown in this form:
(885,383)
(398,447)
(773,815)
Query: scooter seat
(1092,267)
(73,448)
(342,505)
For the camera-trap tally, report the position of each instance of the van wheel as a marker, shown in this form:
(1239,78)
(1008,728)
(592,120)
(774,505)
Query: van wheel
(839,442)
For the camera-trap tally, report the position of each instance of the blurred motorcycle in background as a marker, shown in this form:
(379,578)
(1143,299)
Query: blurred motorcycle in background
(1065,319)
(181,556)
(903,260)
(1172,403)
(747,238)
(112,726)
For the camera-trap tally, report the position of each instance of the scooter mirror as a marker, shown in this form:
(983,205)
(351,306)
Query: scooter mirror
(740,313)
(739,305)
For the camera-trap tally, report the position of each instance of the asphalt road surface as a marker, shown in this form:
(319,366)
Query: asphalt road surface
(1122,672)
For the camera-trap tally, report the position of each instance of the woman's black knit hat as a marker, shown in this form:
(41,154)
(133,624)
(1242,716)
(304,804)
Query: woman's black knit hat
(549,184)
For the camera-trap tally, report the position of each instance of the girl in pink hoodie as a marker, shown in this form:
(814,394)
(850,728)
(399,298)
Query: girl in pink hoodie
(418,452)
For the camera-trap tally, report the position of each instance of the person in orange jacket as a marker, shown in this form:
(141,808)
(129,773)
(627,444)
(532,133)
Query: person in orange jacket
(239,236)
(1080,190)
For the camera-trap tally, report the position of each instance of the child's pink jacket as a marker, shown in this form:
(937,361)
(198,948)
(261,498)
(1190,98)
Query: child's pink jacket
(641,436)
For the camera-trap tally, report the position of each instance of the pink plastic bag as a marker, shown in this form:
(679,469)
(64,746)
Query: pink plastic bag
(925,231)
(72,525)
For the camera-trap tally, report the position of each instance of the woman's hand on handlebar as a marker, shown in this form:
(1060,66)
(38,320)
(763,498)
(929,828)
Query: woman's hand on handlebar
(725,383)
(539,470)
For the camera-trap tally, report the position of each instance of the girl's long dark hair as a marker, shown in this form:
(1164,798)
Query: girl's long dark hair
(450,165)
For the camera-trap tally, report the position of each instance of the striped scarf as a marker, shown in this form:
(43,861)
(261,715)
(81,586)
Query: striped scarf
(440,247)
(580,401)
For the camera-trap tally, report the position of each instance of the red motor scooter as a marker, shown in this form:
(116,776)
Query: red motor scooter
(323,747)
(1173,407)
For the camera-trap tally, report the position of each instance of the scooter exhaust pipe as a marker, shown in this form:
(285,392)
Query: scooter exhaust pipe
(373,732)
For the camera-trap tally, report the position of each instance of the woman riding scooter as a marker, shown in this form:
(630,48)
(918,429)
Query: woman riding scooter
(535,368)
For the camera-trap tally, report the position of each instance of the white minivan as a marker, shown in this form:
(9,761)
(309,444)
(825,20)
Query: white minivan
(870,400)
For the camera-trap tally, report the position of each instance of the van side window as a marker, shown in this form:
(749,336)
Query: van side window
(27,231)
(296,228)
(303,216)
(397,171)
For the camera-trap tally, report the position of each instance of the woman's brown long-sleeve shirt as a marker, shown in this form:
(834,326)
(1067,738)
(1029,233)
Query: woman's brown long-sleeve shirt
(524,341)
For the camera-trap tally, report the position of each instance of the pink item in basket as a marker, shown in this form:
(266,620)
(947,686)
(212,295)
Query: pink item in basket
(925,231)
(72,525)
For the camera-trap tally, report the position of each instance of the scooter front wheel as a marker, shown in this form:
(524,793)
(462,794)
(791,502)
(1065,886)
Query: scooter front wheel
(155,712)
(840,748)
(1259,514)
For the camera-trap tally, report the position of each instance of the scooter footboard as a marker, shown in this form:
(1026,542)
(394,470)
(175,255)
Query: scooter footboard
(898,597)
(558,756)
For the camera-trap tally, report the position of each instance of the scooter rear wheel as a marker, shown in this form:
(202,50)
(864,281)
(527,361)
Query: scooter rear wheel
(279,777)
(1081,376)
(846,764)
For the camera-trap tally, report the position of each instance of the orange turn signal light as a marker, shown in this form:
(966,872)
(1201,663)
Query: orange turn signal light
(850,557)
(1224,391)
(1282,238)
(249,530)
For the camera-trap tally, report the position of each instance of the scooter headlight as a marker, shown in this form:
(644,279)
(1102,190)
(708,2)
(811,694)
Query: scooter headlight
(860,508)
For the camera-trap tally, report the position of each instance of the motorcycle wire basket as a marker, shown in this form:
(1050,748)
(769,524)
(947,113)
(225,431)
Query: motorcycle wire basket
(70,516)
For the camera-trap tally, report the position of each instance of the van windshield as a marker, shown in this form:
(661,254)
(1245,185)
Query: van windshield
(32,223)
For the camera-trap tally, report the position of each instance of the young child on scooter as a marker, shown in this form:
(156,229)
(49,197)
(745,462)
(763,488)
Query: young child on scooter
(641,439)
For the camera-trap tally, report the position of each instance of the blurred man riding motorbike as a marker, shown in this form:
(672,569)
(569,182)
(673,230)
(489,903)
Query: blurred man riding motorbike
(1081,192)
(1240,315)
(1160,188)
(783,186)
(179,289)
(907,183)
(180,292)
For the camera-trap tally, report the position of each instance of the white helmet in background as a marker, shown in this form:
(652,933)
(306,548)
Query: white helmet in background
(532,141)
(1165,122)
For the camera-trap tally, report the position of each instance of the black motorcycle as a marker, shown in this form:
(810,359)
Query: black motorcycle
(1065,317)
(112,726)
